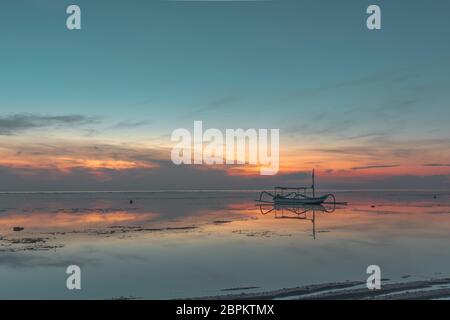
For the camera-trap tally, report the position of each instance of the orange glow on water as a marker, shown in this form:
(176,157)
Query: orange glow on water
(71,220)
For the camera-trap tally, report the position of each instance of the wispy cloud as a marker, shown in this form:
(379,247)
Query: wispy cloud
(376,167)
(130,124)
(386,77)
(223,102)
(436,165)
(17,123)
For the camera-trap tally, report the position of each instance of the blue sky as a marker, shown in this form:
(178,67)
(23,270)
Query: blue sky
(311,68)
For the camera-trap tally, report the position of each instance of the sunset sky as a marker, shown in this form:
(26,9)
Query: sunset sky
(93,109)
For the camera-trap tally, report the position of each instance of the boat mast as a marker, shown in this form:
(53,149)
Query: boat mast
(313,187)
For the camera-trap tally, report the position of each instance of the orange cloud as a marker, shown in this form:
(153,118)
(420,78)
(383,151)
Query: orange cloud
(64,156)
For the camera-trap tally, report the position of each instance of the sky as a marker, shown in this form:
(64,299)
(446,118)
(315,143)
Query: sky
(94,109)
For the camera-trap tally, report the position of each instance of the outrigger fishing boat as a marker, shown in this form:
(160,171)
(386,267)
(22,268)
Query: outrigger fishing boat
(295,196)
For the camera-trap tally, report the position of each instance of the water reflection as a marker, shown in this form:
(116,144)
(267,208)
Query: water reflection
(168,245)
(296,212)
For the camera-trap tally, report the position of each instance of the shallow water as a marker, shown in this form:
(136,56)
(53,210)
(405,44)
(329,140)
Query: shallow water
(185,244)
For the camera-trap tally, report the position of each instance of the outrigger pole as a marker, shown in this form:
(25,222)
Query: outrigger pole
(313,187)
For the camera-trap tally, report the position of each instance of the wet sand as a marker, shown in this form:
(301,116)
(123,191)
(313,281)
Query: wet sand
(346,291)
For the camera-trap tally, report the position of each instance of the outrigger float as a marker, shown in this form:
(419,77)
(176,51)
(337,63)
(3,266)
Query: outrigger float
(295,196)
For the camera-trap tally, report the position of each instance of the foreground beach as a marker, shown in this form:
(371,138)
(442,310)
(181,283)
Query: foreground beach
(220,245)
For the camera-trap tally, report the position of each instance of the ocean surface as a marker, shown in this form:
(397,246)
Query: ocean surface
(168,245)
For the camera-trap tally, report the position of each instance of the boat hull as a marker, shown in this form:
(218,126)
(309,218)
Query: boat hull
(310,201)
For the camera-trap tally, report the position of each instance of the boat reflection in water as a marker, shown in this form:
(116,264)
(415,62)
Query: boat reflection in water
(297,212)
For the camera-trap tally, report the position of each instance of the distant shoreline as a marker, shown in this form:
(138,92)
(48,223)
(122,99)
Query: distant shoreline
(213,190)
